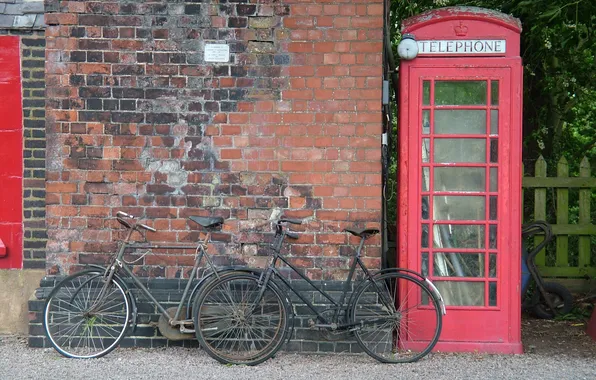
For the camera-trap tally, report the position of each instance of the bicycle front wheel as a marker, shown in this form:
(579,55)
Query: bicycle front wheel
(397,318)
(237,321)
(85,317)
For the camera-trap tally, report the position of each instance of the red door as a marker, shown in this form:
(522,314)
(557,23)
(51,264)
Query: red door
(459,200)
(11,154)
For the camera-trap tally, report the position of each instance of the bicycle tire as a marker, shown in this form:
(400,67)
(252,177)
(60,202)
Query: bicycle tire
(559,296)
(405,331)
(81,325)
(232,328)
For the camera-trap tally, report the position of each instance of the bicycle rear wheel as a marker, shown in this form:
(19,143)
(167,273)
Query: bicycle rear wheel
(84,317)
(398,318)
(239,322)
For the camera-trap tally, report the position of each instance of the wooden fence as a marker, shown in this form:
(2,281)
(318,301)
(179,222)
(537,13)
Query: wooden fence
(565,263)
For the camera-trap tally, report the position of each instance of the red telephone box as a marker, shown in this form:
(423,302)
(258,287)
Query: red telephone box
(460,172)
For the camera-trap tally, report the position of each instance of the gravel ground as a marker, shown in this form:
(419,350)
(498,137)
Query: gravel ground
(17,361)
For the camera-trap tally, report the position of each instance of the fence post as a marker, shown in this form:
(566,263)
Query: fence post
(540,206)
(584,216)
(562,253)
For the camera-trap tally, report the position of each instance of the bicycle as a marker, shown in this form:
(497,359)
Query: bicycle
(244,318)
(87,314)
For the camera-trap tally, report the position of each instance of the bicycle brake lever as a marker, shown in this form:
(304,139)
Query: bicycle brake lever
(292,235)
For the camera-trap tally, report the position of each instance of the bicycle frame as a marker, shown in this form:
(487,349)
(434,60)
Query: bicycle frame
(337,305)
(119,263)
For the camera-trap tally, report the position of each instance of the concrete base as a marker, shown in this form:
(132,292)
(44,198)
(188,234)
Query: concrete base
(480,347)
(16,287)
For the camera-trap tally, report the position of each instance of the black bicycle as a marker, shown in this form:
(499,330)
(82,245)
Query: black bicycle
(244,318)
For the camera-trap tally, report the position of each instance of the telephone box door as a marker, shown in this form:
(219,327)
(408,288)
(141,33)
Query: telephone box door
(459,133)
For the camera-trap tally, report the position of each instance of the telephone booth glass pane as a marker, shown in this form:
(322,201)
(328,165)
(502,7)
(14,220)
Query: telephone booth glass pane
(426,92)
(465,122)
(451,264)
(460,92)
(458,236)
(494,93)
(459,207)
(459,179)
(426,122)
(459,150)
(461,293)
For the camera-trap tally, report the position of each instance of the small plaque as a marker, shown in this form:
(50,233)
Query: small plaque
(217,53)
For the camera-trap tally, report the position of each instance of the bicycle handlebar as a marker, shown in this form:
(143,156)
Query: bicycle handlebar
(146,227)
(121,214)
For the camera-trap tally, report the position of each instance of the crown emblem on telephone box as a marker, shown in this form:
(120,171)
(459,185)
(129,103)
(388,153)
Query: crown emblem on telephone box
(461,30)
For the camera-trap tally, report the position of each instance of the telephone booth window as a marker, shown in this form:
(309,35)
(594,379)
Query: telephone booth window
(459,139)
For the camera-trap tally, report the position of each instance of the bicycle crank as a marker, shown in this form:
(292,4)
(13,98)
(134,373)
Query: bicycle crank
(331,332)
(173,332)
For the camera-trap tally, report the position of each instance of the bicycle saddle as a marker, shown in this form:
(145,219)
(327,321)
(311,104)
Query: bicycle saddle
(362,232)
(207,222)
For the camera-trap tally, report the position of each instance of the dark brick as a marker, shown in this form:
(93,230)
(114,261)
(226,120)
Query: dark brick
(78,56)
(94,20)
(110,105)
(128,69)
(237,22)
(95,56)
(162,118)
(91,44)
(77,32)
(221,71)
(246,9)
(94,104)
(134,93)
(192,9)
(94,92)
(33,42)
(94,116)
(144,57)
(127,117)
(128,105)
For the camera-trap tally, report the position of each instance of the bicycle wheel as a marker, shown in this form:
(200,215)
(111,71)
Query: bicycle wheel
(397,317)
(235,324)
(81,320)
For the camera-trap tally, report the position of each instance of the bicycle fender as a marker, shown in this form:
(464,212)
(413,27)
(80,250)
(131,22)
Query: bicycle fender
(133,303)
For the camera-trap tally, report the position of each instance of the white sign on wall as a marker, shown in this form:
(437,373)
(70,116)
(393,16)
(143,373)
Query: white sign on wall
(217,53)
(484,47)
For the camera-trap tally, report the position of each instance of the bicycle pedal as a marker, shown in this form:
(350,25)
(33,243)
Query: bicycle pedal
(332,326)
(186,331)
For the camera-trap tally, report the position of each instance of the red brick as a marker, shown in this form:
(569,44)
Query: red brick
(61,19)
(299,22)
(300,47)
(230,154)
(57,187)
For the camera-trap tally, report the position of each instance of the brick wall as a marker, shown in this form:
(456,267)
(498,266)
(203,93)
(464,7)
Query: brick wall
(137,121)
(32,77)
